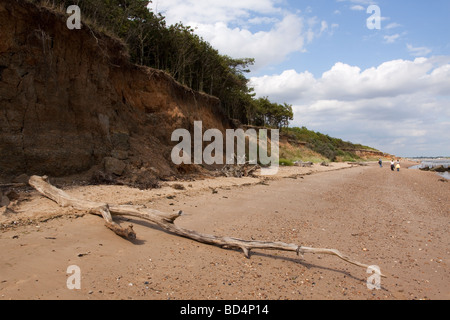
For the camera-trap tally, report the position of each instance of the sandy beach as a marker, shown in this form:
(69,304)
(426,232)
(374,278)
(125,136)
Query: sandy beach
(398,221)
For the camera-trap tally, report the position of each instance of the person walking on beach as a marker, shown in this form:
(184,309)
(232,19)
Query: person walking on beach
(380,162)
(398,166)
(392,165)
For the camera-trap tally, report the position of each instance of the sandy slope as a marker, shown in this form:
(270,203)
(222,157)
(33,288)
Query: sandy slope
(398,221)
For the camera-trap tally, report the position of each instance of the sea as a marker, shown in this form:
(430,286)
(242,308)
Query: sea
(432,163)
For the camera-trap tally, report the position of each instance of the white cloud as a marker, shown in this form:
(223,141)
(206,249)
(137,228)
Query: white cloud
(209,12)
(324,26)
(393,25)
(262,20)
(346,82)
(361,2)
(357,8)
(418,51)
(391,38)
(267,47)
(400,100)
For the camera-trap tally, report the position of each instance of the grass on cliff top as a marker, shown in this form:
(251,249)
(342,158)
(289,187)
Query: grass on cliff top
(306,145)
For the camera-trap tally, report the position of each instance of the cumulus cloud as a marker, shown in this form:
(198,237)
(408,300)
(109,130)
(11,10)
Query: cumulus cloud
(398,106)
(393,25)
(267,47)
(209,12)
(227,25)
(346,82)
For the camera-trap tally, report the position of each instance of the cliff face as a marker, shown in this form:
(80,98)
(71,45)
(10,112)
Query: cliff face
(370,154)
(70,100)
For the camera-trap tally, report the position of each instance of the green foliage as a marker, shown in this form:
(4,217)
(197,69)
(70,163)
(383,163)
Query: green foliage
(286,163)
(269,114)
(330,148)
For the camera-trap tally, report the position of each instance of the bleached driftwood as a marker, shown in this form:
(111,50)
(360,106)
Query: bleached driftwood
(239,171)
(167,222)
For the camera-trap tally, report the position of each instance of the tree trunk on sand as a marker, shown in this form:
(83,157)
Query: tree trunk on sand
(167,222)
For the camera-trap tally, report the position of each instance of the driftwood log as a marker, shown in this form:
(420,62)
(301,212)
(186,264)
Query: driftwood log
(167,222)
(239,171)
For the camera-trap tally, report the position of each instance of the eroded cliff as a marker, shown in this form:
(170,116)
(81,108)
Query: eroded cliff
(70,101)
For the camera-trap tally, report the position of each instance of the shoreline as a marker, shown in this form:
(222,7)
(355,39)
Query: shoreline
(34,207)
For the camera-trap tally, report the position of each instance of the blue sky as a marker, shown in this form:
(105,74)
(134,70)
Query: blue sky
(404,25)
(388,88)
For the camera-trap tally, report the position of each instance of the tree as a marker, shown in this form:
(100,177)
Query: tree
(190,59)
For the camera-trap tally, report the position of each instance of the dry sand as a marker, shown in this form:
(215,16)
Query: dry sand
(398,221)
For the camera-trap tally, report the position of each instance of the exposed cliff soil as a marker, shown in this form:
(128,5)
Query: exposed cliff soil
(71,102)
(368,154)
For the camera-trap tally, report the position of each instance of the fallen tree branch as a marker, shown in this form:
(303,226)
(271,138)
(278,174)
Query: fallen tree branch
(167,222)
(65,200)
(238,170)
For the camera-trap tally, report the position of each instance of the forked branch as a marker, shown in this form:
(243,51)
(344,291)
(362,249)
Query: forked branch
(167,222)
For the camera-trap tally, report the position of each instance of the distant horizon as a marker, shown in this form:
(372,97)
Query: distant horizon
(360,143)
(424,157)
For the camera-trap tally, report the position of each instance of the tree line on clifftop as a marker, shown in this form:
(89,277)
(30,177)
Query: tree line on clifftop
(187,57)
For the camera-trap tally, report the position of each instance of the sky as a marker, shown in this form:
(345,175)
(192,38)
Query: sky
(369,72)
